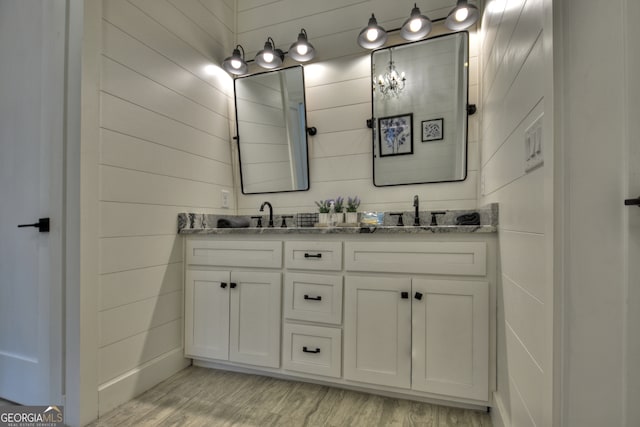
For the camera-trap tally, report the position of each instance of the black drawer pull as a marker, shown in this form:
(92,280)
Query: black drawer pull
(418,296)
(306,255)
(318,298)
(223,285)
(306,350)
(233,285)
(404,295)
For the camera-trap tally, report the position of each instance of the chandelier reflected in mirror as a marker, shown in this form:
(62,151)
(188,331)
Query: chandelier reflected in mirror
(391,83)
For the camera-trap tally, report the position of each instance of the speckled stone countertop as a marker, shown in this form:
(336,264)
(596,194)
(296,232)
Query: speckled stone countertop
(193,223)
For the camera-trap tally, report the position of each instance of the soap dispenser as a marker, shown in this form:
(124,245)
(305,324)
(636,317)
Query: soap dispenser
(332,214)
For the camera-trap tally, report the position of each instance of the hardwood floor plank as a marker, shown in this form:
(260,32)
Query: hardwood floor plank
(198,397)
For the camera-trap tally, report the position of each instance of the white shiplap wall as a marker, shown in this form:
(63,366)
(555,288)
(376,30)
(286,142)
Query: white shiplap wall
(338,99)
(514,63)
(164,148)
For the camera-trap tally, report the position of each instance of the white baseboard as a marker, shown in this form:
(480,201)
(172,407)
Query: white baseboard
(138,380)
(499,415)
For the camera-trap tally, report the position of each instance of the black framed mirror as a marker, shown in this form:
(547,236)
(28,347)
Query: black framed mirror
(271,133)
(419,109)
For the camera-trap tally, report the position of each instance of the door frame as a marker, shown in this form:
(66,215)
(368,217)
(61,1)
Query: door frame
(81,174)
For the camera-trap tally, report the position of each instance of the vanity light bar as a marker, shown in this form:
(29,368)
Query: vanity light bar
(418,26)
(270,57)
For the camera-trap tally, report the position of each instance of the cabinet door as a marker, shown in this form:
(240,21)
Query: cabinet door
(255,318)
(451,338)
(207,314)
(377,333)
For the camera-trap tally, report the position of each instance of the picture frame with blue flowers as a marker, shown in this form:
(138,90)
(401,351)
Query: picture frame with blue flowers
(395,135)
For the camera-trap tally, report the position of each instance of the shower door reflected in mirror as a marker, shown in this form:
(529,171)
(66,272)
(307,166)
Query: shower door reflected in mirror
(419,101)
(271,129)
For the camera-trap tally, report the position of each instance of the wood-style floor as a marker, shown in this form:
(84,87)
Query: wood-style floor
(207,397)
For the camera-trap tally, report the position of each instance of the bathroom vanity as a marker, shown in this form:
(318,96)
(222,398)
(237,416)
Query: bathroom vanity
(401,311)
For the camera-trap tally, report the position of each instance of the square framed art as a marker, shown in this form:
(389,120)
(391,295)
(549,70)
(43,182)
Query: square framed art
(433,130)
(395,135)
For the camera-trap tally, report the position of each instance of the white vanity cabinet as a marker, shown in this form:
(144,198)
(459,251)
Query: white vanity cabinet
(233,314)
(409,314)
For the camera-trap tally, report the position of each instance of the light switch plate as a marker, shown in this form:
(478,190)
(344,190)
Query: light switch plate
(533,156)
(224,198)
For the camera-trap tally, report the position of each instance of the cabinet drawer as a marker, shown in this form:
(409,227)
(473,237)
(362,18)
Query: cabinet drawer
(313,297)
(312,349)
(313,255)
(451,258)
(263,254)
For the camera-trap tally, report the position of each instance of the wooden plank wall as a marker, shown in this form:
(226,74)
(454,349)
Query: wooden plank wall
(164,149)
(338,99)
(513,69)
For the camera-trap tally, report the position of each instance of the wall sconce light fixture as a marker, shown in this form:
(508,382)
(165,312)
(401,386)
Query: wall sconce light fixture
(462,16)
(235,64)
(270,57)
(418,26)
(302,50)
(373,35)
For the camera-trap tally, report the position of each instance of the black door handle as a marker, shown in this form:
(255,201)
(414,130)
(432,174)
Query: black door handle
(318,298)
(418,296)
(223,285)
(306,350)
(43,225)
(632,202)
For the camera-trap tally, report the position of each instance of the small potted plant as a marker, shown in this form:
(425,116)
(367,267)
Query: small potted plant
(352,210)
(323,208)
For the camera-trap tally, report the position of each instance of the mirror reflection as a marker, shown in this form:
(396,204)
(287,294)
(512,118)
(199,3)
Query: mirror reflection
(419,100)
(271,129)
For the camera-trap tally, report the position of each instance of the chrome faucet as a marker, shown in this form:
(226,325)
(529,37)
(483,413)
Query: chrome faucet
(270,212)
(416,204)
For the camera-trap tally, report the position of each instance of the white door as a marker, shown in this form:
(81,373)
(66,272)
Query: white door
(450,330)
(32,52)
(377,330)
(633,191)
(207,314)
(255,318)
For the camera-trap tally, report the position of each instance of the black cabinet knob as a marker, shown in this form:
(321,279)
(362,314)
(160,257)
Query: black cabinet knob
(223,285)
(418,296)
(233,285)
(404,295)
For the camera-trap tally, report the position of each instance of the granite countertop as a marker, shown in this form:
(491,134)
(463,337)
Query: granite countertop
(380,229)
(205,224)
